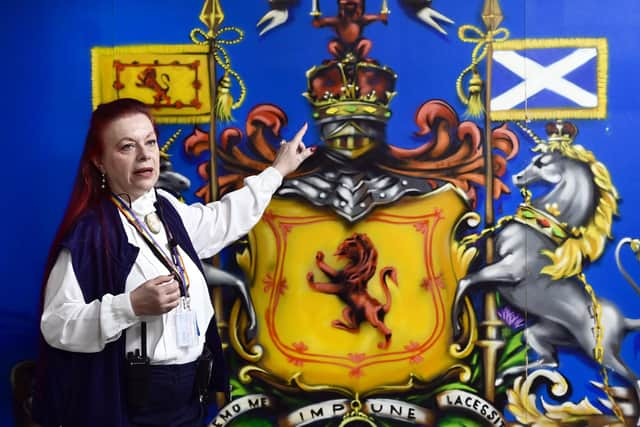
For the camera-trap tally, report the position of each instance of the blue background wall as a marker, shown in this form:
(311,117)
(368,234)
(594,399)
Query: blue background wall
(47,104)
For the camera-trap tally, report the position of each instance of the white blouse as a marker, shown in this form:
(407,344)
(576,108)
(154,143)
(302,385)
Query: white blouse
(73,324)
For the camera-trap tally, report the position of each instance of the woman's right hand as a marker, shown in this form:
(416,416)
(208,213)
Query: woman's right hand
(156,296)
(292,153)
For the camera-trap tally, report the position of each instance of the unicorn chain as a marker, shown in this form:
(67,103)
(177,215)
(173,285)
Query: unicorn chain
(598,351)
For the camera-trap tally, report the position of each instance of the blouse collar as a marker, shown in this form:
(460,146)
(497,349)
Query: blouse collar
(144,204)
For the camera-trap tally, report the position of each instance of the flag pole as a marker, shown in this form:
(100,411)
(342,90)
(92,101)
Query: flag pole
(212,16)
(492,17)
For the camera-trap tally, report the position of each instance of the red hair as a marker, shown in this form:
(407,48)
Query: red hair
(87,191)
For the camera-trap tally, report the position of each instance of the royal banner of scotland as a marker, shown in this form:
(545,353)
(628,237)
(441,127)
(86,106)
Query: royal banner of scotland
(173,80)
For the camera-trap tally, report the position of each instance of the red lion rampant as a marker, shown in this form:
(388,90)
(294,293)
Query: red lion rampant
(350,285)
(148,78)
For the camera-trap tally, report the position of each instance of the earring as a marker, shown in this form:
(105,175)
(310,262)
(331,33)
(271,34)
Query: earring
(103,181)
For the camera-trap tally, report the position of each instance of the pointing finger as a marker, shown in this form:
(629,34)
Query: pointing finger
(298,137)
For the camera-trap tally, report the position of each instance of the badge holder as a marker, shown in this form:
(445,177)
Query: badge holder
(186,329)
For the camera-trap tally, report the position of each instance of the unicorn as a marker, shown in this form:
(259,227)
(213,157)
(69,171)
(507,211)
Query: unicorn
(542,250)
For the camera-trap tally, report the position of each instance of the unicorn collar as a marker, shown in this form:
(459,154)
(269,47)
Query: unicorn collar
(543,222)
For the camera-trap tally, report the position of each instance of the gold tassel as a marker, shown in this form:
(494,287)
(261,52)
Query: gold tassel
(224,99)
(475,108)
(635,247)
(471,34)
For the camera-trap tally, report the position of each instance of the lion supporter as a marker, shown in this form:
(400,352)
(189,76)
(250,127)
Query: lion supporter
(129,332)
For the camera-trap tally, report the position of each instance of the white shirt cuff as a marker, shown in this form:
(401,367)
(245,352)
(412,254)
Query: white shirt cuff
(123,310)
(271,179)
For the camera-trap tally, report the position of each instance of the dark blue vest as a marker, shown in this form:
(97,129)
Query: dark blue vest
(88,389)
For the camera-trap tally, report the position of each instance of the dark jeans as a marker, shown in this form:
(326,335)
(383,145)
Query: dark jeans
(172,401)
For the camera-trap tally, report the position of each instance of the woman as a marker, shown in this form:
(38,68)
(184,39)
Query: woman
(125,303)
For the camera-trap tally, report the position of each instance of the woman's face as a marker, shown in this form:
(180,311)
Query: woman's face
(130,158)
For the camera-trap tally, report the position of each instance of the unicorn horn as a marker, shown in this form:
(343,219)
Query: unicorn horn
(530,132)
(165,147)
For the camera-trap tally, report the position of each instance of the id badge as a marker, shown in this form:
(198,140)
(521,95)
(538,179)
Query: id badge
(186,335)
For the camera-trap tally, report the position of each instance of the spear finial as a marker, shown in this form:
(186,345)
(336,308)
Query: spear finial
(492,14)
(211,15)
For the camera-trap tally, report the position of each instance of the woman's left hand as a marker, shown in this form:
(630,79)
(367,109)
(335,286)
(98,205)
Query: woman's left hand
(292,153)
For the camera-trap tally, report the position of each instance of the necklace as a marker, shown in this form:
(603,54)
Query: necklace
(153,222)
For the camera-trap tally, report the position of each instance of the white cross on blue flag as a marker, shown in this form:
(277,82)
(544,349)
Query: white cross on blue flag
(549,79)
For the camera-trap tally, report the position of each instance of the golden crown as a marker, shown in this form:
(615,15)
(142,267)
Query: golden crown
(561,131)
(351,103)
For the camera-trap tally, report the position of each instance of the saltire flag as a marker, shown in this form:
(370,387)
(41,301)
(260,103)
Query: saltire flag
(549,79)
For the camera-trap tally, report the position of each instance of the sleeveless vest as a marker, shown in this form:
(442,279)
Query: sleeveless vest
(88,389)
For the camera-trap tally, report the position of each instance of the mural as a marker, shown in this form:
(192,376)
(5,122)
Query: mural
(453,253)
(363,282)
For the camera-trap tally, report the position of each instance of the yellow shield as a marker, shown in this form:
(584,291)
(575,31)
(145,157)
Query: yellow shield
(297,323)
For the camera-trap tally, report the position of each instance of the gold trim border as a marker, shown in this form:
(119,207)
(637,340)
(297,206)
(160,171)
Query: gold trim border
(602,75)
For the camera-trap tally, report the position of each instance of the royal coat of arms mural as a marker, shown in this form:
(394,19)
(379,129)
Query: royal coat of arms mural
(430,264)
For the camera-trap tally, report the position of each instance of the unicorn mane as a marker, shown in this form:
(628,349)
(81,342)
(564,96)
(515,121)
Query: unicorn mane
(587,242)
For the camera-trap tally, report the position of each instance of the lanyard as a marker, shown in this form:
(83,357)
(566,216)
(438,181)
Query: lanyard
(176,264)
